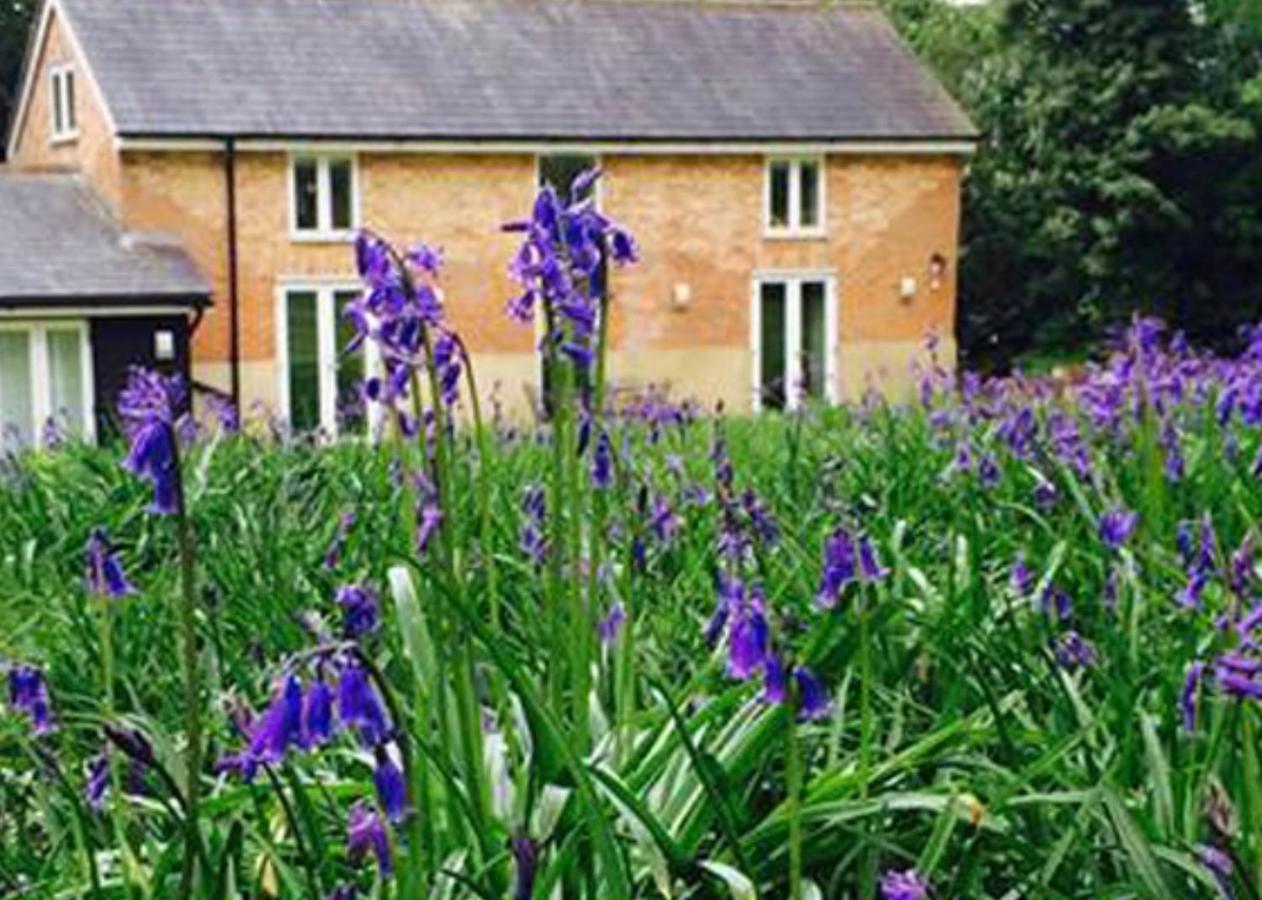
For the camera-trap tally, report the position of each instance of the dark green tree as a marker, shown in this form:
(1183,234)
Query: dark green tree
(15,18)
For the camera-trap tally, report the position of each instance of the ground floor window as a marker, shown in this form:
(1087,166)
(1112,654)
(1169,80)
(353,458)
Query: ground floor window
(794,338)
(319,382)
(45,380)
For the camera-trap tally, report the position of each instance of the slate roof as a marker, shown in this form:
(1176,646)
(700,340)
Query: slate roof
(59,246)
(510,69)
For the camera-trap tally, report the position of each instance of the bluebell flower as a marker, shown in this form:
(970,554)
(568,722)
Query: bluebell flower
(429,519)
(1021,578)
(98,781)
(359,610)
(152,407)
(602,463)
(391,788)
(760,518)
(359,707)
(662,520)
(904,885)
(749,637)
(813,702)
(1116,527)
(317,714)
(365,833)
(774,685)
(1188,697)
(870,568)
(1073,651)
(280,726)
(1219,866)
(526,862)
(988,471)
(105,576)
(28,693)
(840,567)
(609,627)
(1045,495)
(333,555)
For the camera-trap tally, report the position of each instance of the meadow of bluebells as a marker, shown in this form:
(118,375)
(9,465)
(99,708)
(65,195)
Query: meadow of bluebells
(999,641)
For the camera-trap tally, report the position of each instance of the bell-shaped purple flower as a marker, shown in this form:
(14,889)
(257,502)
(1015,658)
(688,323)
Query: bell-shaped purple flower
(317,715)
(392,792)
(1116,527)
(360,615)
(28,693)
(526,862)
(840,561)
(152,407)
(366,833)
(98,781)
(813,702)
(333,555)
(1189,694)
(610,626)
(280,726)
(105,576)
(774,684)
(1073,651)
(359,707)
(870,568)
(904,885)
(749,638)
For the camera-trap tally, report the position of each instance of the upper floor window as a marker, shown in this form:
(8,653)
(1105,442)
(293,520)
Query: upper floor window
(794,200)
(65,123)
(324,197)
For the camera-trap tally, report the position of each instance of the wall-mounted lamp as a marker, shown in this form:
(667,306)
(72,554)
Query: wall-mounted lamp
(681,297)
(164,345)
(907,288)
(937,271)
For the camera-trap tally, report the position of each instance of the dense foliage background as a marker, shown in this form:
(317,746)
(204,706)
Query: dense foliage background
(1121,167)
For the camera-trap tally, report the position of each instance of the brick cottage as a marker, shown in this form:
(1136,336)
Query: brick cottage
(185,178)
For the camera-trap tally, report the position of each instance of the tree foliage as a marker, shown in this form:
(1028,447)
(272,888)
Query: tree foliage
(15,17)
(1121,167)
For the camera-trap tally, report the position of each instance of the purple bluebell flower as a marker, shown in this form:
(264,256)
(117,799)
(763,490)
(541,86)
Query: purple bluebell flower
(748,638)
(98,781)
(813,702)
(1116,527)
(731,593)
(533,538)
(1044,495)
(365,833)
(1219,866)
(988,471)
(1021,578)
(602,463)
(904,885)
(152,408)
(870,568)
(28,693)
(840,562)
(1236,675)
(317,714)
(1189,597)
(105,576)
(392,793)
(609,627)
(1173,464)
(359,610)
(1056,601)
(1073,651)
(526,863)
(662,520)
(426,258)
(1191,690)
(760,518)
(1241,572)
(280,726)
(1018,431)
(358,705)
(429,519)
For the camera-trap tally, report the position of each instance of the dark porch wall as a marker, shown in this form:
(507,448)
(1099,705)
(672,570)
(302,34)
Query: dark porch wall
(120,342)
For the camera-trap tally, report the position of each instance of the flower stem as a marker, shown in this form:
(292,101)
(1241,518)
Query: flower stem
(793,777)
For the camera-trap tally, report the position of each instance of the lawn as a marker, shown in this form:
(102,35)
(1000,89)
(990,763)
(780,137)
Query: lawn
(996,642)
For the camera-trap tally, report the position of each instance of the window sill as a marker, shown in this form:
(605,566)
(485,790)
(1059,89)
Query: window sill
(59,140)
(322,237)
(786,235)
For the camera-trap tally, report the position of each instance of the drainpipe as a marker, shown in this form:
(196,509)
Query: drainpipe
(234,302)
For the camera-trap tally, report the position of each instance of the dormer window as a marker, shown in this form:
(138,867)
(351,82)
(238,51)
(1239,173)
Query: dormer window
(323,198)
(65,121)
(794,201)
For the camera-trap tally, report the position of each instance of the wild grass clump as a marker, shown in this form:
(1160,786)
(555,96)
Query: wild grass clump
(999,642)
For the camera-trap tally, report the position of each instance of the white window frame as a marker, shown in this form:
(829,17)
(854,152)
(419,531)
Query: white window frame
(41,383)
(64,127)
(324,232)
(793,281)
(327,351)
(794,230)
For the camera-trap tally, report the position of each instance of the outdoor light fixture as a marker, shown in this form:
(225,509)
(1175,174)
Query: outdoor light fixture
(937,271)
(163,345)
(907,288)
(682,295)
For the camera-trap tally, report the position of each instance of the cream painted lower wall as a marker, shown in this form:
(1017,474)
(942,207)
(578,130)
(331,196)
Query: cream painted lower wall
(704,374)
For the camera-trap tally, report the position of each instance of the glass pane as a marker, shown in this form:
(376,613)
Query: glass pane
(561,170)
(70,110)
(351,411)
(771,378)
(15,386)
(340,185)
(304,361)
(306,195)
(814,340)
(58,118)
(808,196)
(778,202)
(65,377)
